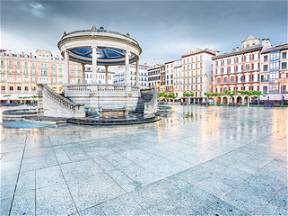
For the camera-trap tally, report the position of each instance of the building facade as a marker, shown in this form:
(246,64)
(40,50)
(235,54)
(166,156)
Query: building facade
(154,77)
(100,76)
(240,68)
(162,78)
(178,78)
(143,75)
(274,73)
(169,73)
(20,74)
(196,72)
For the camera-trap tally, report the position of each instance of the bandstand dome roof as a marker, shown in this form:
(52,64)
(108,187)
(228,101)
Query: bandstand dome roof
(111,46)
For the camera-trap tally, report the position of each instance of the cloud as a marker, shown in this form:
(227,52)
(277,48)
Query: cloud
(36,6)
(36,9)
(164,30)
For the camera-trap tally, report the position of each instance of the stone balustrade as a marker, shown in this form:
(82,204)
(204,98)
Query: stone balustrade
(60,99)
(100,90)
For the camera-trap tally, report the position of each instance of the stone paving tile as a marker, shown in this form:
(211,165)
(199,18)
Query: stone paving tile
(38,162)
(244,199)
(54,200)
(152,194)
(221,208)
(26,182)
(5,205)
(11,156)
(80,170)
(7,191)
(278,205)
(123,205)
(95,210)
(24,203)
(93,189)
(123,180)
(49,176)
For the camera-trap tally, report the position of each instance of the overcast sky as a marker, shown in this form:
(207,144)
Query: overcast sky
(164,29)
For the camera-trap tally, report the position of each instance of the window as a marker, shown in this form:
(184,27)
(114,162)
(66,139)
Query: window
(228,70)
(265,58)
(225,79)
(218,80)
(229,61)
(265,89)
(265,67)
(247,67)
(284,65)
(232,79)
(283,89)
(26,88)
(18,88)
(3,88)
(11,88)
(284,55)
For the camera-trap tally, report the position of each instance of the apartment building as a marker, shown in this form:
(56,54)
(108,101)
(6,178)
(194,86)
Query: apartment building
(119,72)
(21,72)
(274,73)
(240,68)
(154,76)
(197,70)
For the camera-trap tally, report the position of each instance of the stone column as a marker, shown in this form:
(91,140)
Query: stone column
(94,64)
(66,80)
(137,73)
(106,74)
(83,73)
(127,70)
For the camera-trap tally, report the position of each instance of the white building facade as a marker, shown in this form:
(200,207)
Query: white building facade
(119,72)
(196,72)
(154,77)
(100,76)
(274,73)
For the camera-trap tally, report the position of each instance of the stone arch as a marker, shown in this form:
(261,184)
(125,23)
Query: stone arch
(239,100)
(225,100)
(246,100)
(218,100)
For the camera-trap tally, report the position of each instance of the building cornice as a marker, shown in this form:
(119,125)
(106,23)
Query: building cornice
(199,52)
(239,52)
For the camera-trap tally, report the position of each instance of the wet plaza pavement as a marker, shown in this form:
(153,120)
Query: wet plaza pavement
(199,160)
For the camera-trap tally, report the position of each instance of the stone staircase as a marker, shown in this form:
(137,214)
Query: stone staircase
(56,105)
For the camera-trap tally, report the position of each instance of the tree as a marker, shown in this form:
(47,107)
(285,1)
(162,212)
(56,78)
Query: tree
(188,94)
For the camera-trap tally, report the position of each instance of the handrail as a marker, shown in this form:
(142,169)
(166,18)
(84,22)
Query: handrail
(64,101)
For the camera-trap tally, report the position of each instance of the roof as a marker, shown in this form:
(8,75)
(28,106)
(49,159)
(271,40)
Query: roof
(238,52)
(276,48)
(169,62)
(199,52)
(94,29)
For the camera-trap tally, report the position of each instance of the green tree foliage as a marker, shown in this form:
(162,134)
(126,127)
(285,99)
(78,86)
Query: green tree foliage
(188,94)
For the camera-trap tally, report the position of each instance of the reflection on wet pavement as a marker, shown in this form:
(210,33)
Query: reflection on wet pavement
(198,160)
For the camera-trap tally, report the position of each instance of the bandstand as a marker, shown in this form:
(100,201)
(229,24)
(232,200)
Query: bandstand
(98,48)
